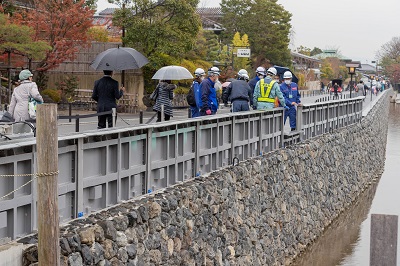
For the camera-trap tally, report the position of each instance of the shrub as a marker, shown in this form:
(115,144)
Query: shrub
(54,95)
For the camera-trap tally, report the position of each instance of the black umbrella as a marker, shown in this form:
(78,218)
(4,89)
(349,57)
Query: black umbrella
(121,58)
(280,70)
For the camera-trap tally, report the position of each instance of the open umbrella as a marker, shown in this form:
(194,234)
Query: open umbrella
(280,70)
(121,58)
(172,73)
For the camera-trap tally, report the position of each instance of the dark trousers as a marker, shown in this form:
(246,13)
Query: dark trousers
(103,119)
(240,105)
(166,117)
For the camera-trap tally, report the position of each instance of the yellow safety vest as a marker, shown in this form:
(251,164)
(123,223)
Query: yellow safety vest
(265,90)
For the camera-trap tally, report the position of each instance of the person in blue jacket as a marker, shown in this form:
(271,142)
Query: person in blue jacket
(260,74)
(195,107)
(208,93)
(291,94)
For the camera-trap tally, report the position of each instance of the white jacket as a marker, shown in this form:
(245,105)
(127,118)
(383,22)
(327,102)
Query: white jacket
(20,98)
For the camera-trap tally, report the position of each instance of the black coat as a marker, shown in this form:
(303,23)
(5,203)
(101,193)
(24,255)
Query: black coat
(105,93)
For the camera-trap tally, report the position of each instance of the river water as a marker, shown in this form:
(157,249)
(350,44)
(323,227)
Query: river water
(347,241)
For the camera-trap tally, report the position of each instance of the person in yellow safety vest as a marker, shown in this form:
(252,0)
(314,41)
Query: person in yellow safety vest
(266,90)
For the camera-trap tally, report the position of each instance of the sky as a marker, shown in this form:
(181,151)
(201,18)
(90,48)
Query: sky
(358,28)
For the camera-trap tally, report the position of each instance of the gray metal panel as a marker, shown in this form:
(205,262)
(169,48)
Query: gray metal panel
(99,169)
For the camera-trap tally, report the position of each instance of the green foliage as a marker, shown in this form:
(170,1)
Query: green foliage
(18,39)
(327,71)
(303,50)
(181,90)
(98,34)
(68,87)
(343,72)
(53,94)
(267,25)
(169,27)
(315,51)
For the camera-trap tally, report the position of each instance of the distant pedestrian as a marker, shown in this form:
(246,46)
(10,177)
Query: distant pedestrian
(21,94)
(106,92)
(359,90)
(239,93)
(266,90)
(165,95)
(194,95)
(322,87)
(208,92)
(292,98)
(336,90)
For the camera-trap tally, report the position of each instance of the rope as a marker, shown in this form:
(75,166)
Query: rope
(30,181)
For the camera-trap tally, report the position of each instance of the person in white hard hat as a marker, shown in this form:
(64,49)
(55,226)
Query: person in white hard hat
(292,98)
(239,93)
(194,96)
(266,90)
(209,99)
(260,74)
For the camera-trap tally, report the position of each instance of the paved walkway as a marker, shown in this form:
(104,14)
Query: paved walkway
(129,119)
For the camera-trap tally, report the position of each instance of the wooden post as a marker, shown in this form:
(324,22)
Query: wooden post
(383,247)
(47,151)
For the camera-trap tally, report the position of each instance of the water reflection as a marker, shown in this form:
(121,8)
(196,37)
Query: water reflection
(337,241)
(346,241)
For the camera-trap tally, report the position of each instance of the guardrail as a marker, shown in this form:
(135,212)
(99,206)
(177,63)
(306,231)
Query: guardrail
(102,168)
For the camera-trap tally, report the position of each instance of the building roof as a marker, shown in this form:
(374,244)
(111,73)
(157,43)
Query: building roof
(108,11)
(331,53)
(367,68)
(209,11)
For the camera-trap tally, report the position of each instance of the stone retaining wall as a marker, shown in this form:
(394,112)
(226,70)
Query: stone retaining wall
(264,211)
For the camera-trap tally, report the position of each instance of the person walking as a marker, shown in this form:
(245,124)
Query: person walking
(165,95)
(239,93)
(105,92)
(194,95)
(359,90)
(209,99)
(292,96)
(260,74)
(335,90)
(21,94)
(266,90)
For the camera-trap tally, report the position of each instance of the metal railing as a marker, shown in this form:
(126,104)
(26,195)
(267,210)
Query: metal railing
(102,168)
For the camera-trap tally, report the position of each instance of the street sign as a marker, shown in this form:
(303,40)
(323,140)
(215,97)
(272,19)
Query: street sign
(243,53)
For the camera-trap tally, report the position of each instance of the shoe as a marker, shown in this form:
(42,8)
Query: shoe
(292,129)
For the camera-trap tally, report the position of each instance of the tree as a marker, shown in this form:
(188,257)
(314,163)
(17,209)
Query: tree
(240,42)
(154,27)
(315,51)
(389,59)
(303,50)
(63,25)
(268,35)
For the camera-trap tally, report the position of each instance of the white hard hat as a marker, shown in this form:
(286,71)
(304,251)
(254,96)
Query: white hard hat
(287,75)
(214,71)
(199,72)
(242,72)
(272,70)
(260,70)
(245,76)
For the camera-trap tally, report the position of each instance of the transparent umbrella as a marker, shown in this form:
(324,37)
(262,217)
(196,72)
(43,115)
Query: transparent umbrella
(172,73)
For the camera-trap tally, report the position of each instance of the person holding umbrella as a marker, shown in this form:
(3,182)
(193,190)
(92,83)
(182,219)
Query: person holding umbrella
(164,98)
(105,92)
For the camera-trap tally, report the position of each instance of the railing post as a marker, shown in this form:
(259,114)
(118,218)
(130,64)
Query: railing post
(114,116)
(299,121)
(77,123)
(141,117)
(162,112)
(148,160)
(69,111)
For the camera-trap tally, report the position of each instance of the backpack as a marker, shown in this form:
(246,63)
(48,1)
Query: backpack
(190,98)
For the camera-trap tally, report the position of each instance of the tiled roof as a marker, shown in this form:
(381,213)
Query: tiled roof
(108,11)
(209,11)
